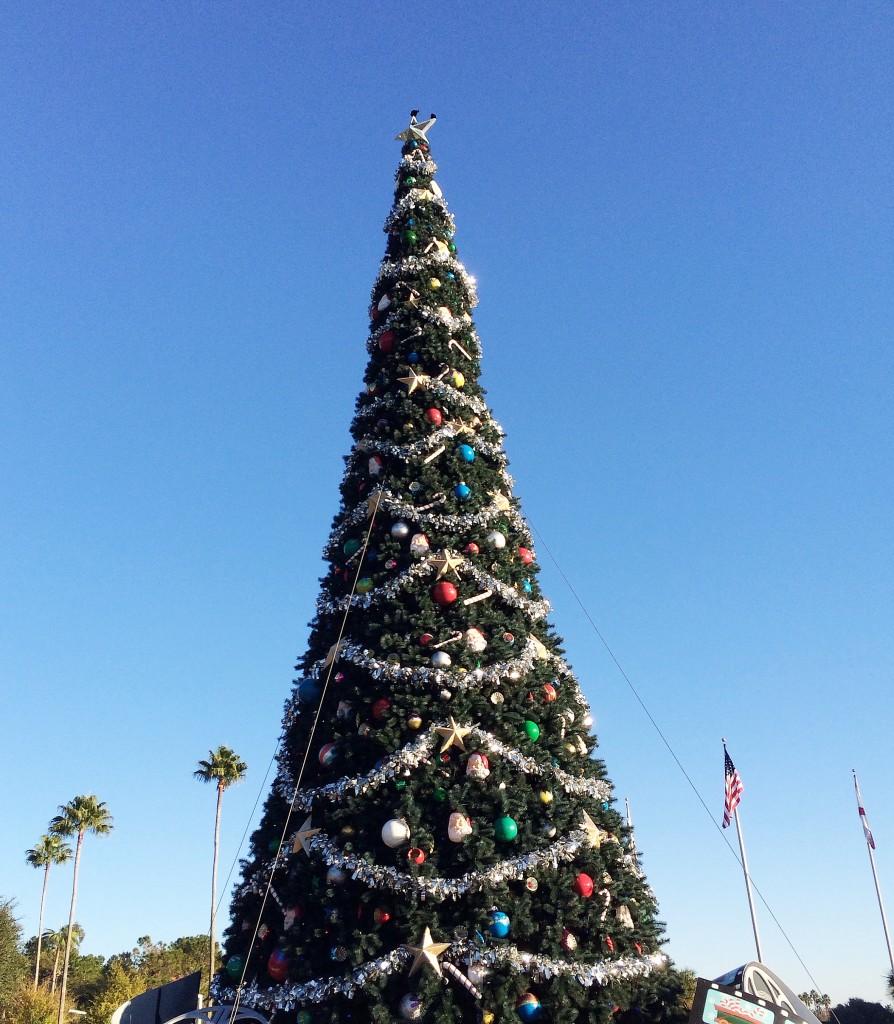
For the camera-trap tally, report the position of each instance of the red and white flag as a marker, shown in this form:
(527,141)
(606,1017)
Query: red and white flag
(732,788)
(867,831)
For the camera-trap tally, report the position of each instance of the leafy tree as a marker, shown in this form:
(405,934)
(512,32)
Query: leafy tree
(82,815)
(859,1011)
(50,850)
(439,817)
(117,985)
(223,768)
(31,1005)
(12,962)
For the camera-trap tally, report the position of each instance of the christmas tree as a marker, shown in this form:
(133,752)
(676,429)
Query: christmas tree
(440,842)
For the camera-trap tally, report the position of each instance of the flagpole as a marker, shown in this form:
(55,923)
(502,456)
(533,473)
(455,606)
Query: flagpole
(878,891)
(757,938)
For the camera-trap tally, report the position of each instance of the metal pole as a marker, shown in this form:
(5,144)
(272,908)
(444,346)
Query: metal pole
(757,938)
(878,891)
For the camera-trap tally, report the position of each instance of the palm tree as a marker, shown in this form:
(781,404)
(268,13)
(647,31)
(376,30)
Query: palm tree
(84,814)
(49,850)
(55,941)
(223,767)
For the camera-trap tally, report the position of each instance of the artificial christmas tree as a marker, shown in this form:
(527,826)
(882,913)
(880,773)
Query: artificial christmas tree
(439,842)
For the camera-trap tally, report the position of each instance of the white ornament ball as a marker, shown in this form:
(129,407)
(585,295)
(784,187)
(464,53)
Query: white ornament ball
(419,545)
(496,540)
(441,659)
(336,875)
(410,1007)
(399,531)
(458,827)
(395,832)
(588,721)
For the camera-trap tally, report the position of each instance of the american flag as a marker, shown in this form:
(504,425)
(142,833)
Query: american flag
(732,788)
(867,831)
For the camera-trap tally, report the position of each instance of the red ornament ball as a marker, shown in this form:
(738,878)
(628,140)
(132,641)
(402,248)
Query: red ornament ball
(425,639)
(415,855)
(472,548)
(583,885)
(549,693)
(278,965)
(380,709)
(381,915)
(444,593)
(526,556)
(386,342)
(434,416)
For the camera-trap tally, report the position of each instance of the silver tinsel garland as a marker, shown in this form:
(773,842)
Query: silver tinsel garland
(418,449)
(539,968)
(534,609)
(418,752)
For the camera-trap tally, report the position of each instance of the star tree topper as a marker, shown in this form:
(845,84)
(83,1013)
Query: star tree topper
(427,952)
(417,129)
(453,734)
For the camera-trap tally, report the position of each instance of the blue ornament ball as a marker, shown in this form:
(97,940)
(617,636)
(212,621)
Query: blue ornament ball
(310,691)
(526,586)
(499,924)
(528,1007)
(466,452)
(462,491)
(413,357)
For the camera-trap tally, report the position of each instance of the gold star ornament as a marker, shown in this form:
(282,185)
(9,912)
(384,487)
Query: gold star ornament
(445,562)
(500,500)
(414,380)
(417,129)
(595,834)
(427,952)
(453,734)
(302,836)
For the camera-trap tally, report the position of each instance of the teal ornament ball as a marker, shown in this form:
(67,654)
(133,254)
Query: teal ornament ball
(305,1017)
(466,452)
(365,585)
(234,966)
(498,924)
(505,829)
(528,1007)
(462,491)
(351,547)
(532,730)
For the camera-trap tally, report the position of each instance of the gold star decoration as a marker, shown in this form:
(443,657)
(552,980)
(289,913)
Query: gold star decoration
(595,834)
(445,562)
(500,500)
(304,833)
(540,651)
(414,380)
(373,502)
(427,952)
(417,129)
(453,734)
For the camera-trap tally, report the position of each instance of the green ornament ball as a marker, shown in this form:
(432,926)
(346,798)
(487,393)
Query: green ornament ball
(410,181)
(351,547)
(410,236)
(273,845)
(305,1017)
(400,784)
(440,795)
(532,730)
(234,966)
(505,829)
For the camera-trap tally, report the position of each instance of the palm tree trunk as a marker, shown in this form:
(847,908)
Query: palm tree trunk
(43,899)
(55,965)
(71,918)
(220,792)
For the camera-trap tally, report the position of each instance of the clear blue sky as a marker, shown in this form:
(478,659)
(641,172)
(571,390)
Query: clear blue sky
(680,219)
